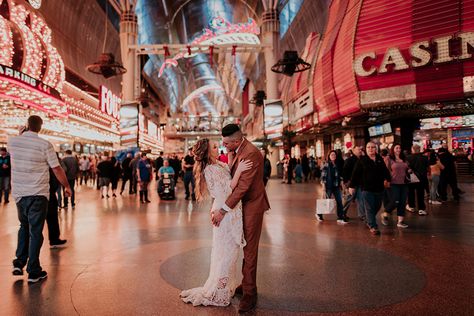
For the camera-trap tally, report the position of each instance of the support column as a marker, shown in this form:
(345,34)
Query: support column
(128,36)
(270,39)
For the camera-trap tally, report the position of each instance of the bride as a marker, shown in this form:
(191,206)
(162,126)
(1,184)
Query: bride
(213,177)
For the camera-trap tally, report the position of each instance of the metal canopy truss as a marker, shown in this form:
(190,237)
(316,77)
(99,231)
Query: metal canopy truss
(161,49)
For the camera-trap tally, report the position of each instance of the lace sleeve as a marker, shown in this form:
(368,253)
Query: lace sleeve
(218,184)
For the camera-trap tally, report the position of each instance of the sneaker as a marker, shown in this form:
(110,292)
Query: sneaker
(17,267)
(319,217)
(60,243)
(422,213)
(384,218)
(402,225)
(35,277)
(342,221)
(436,202)
(375,231)
(410,209)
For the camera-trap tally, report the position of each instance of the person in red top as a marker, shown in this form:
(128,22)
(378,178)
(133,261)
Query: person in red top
(223,157)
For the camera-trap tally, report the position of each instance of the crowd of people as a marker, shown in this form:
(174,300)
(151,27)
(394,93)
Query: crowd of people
(395,179)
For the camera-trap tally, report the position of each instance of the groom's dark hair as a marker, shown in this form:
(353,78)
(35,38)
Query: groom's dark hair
(230,129)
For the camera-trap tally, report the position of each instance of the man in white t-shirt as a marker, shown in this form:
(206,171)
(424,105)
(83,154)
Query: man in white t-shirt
(32,157)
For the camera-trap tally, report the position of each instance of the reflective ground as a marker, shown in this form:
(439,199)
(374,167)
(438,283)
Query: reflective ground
(124,258)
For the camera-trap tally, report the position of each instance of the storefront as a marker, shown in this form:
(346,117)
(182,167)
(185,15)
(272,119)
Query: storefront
(32,82)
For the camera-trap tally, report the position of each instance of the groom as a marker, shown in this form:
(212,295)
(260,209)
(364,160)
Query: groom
(251,191)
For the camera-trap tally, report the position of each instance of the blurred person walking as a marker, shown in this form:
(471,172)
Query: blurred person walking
(133,166)
(52,219)
(158,164)
(72,169)
(372,176)
(116,173)
(188,175)
(267,167)
(418,164)
(436,167)
(5,175)
(398,167)
(348,169)
(127,174)
(105,170)
(32,156)
(331,179)
(144,176)
(84,167)
(448,176)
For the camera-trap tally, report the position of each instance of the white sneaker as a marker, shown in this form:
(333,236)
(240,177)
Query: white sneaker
(422,212)
(436,202)
(410,209)
(402,225)
(342,221)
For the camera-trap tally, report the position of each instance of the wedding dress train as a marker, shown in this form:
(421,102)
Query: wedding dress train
(227,240)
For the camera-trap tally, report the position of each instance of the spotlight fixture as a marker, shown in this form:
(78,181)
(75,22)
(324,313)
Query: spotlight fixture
(106,66)
(258,98)
(290,64)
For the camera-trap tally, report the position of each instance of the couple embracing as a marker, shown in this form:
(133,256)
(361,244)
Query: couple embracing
(237,212)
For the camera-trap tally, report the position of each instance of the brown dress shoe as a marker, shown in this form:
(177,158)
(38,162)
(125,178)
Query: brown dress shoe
(247,303)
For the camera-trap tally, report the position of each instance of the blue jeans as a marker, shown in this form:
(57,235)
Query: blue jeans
(398,199)
(32,212)
(372,204)
(338,197)
(357,196)
(188,179)
(434,187)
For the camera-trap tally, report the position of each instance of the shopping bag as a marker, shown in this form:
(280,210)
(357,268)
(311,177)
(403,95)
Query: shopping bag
(325,206)
(413,178)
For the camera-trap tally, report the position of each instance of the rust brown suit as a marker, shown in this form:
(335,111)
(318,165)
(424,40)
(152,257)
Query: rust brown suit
(251,191)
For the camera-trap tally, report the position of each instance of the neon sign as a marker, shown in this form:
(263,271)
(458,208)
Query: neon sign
(18,76)
(109,102)
(220,32)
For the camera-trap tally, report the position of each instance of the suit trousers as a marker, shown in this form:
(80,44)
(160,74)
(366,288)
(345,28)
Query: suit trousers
(252,232)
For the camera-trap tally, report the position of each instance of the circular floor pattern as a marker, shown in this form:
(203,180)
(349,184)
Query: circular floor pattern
(332,276)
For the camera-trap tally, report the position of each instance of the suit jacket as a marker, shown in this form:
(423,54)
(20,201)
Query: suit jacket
(250,189)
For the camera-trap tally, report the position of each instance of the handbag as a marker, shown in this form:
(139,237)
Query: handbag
(325,206)
(412,178)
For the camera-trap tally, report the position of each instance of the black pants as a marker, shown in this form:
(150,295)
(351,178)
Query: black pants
(126,178)
(72,183)
(445,180)
(84,177)
(418,190)
(52,219)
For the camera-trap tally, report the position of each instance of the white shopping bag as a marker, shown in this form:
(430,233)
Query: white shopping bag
(325,206)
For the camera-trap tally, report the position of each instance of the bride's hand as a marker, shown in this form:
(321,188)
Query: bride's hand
(244,165)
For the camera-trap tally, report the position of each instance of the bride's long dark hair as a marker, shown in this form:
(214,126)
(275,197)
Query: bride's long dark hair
(202,155)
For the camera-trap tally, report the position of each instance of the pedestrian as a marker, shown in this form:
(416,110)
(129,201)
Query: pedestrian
(33,156)
(127,174)
(372,176)
(305,166)
(116,173)
(291,169)
(398,167)
(436,167)
(448,176)
(158,164)
(298,171)
(105,170)
(348,169)
(188,174)
(52,219)
(267,167)
(133,166)
(312,168)
(331,179)
(144,176)
(84,167)
(5,175)
(418,164)
(72,169)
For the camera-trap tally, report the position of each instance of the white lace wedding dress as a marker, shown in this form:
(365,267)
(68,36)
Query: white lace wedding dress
(227,240)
